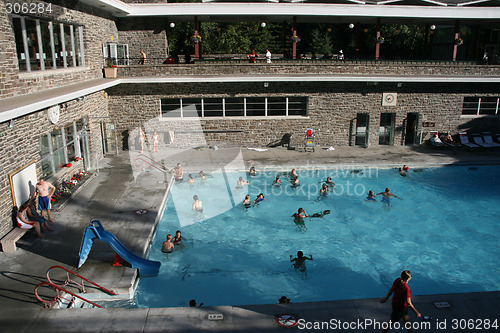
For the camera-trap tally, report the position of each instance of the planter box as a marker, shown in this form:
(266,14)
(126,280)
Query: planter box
(110,72)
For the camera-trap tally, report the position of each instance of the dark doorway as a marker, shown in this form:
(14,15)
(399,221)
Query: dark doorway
(412,129)
(362,129)
(386,129)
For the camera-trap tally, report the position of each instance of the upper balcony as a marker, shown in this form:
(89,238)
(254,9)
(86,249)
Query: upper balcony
(372,69)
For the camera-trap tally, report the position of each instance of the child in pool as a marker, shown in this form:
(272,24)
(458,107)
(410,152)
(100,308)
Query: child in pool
(259,198)
(190,179)
(167,246)
(370,197)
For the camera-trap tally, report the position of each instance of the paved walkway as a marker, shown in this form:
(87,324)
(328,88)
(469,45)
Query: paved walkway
(114,195)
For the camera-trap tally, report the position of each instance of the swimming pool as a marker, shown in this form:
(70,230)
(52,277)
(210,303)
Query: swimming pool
(444,230)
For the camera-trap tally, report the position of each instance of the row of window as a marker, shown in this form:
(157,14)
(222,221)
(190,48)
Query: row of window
(481,106)
(233,107)
(59,146)
(42,44)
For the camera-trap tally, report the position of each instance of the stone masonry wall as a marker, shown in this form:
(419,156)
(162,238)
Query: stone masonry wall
(147,34)
(346,67)
(20,145)
(99,28)
(332,111)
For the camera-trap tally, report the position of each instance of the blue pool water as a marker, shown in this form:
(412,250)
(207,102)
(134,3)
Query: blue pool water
(445,230)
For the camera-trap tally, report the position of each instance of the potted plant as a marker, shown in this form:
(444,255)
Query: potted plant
(295,38)
(110,71)
(196,38)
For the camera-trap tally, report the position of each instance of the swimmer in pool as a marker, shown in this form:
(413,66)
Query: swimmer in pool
(202,176)
(247,202)
(293,174)
(242,182)
(190,179)
(324,191)
(167,246)
(177,238)
(197,204)
(300,215)
(252,171)
(295,181)
(277,181)
(387,196)
(329,182)
(299,263)
(259,198)
(370,197)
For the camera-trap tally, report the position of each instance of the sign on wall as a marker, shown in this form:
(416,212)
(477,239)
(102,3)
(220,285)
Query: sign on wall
(389,99)
(23,183)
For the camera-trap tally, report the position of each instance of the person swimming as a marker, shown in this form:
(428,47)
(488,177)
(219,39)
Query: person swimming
(202,176)
(299,216)
(242,182)
(252,171)
(387,196)
(324,191)
(370,197)
(259,198)
(293,174)
(295,181)
(299,263)
(329,182)
(167,246)
(197,204)
(177,238)
(247,203)
(277,181)
(190,179)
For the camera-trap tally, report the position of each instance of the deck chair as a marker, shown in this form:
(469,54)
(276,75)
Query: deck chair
(465,141)
(489,139)
(478,140)
(309,141)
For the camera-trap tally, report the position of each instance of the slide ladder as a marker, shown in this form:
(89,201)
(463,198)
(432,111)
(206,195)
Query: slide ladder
(61,291)
(96,231)
(149,161)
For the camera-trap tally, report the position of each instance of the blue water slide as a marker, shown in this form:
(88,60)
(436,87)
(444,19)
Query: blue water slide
(96,230)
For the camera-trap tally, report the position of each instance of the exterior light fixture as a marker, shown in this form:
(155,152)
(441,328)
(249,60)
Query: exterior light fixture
(263,24)
(172,24)
(351,25)
(433,27)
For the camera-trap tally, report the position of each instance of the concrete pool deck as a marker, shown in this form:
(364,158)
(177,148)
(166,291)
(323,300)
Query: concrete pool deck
(115,194)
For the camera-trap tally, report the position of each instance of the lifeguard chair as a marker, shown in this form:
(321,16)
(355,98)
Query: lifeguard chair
(309,143)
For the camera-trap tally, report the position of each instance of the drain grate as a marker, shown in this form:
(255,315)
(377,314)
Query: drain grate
(442,305)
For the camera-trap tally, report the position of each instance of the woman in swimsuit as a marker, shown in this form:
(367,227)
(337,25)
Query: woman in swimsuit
(190,179)
(156,140)
(24,223)
(277,181)
(247,203)
(252,171)
(177,238)
(295,181)
(293,174)
(167,246)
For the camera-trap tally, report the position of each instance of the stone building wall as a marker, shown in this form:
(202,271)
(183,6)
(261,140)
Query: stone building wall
(332,111)
(19,145)
(147,34)
(99,28)
(291,67)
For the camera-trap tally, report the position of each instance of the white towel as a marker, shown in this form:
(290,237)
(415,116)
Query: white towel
(170,136)
(258,149)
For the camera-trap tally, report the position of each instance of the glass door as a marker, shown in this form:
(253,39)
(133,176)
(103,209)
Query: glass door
(386,129)
(362,129)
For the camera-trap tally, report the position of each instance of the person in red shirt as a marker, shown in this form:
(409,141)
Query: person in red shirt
(253,56)
(401,300)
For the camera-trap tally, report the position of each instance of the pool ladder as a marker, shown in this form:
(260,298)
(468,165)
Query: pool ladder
(61,291)
(148,160)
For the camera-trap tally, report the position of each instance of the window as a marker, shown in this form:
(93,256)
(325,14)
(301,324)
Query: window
(480,106)
(42,44)
(234,107)
(58,147)
(116,54)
